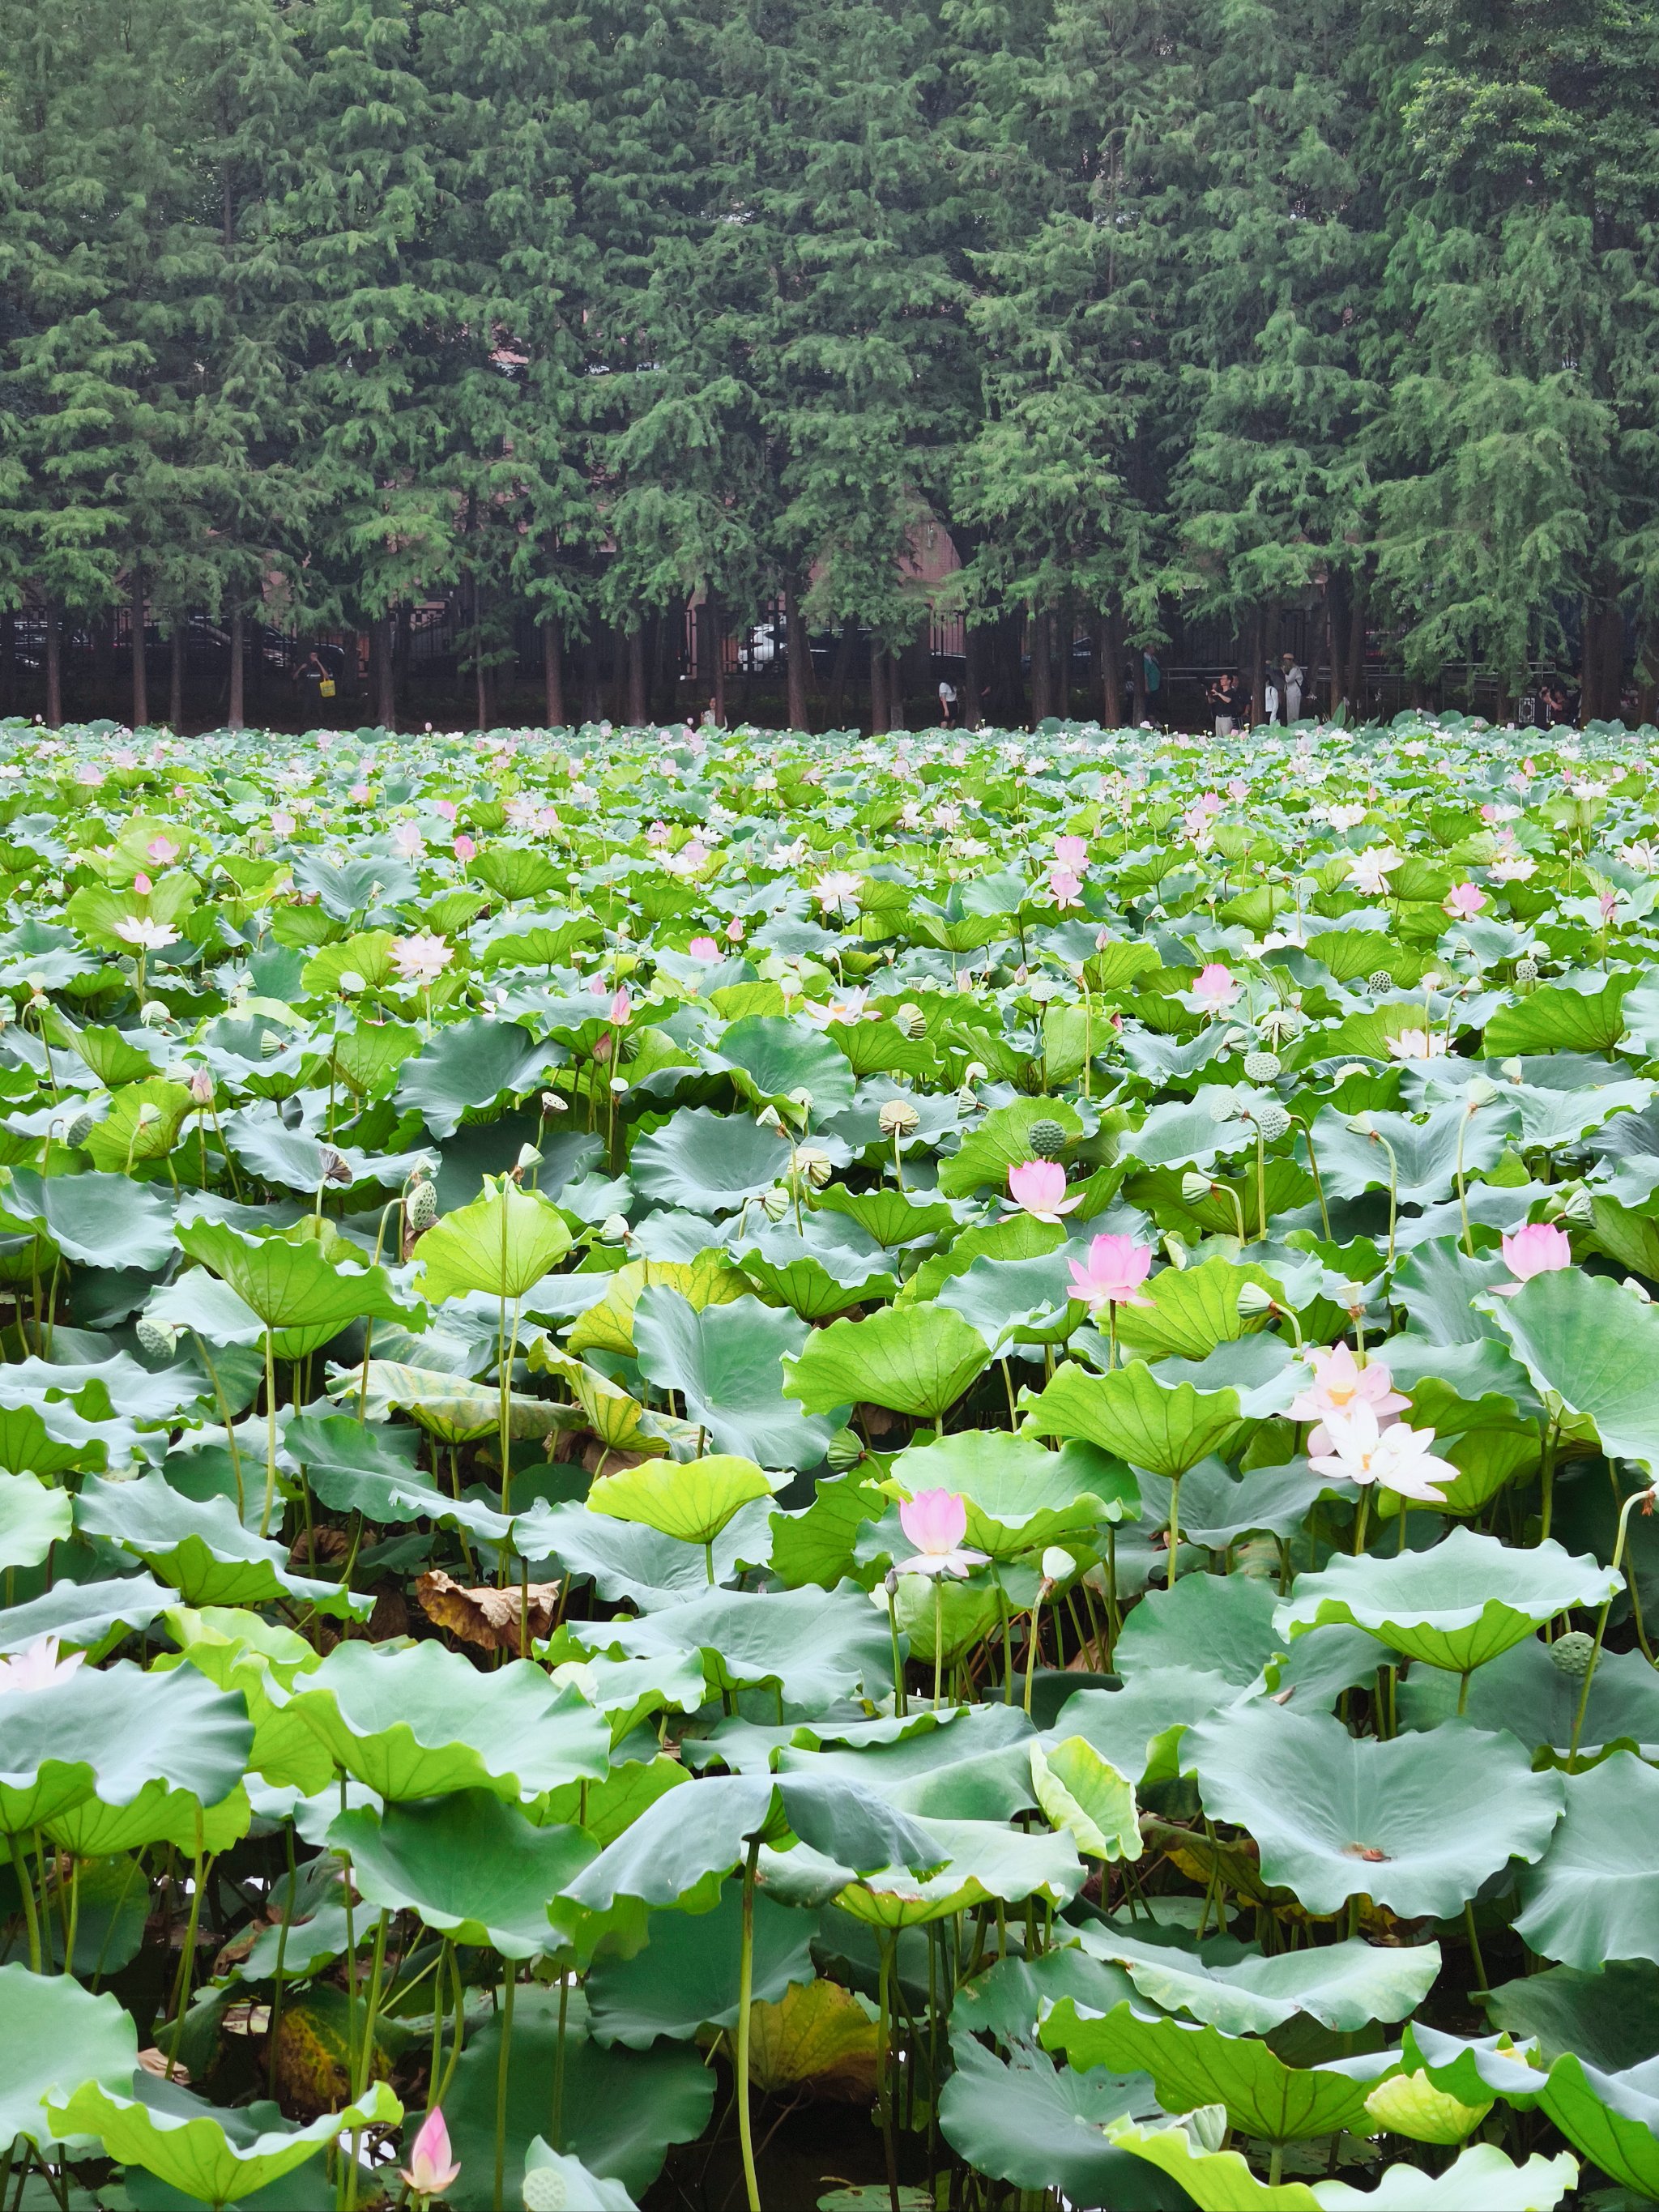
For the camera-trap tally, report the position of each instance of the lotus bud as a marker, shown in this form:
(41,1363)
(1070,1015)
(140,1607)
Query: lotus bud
(1253,1299)
(774,1203)
(1379,981)
(1272,1121)
(38,985)
(810,1165)
(148,1114)
(1481,1092)
(1573,1653)
(1207,2127)
(81,1128)
(421,1207)
(1046,1139)
(898,1118)
(844,1450)
(769,1118)
(351,983)
(528,1157)
(1261,1067)
(1434,981)
(614,1229)
(1525,971)
(1194,1186)
(976,1072)
(157,1339)
(618,1086)
(1578,1206)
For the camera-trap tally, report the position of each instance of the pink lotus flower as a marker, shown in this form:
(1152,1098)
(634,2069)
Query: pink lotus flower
(703,948)
(465,850)
(445,807)
(420,958)
(38,1667)
(1113,1274)
(281,823)
(1398,1457)
(1064,887)
(936,1520)
(1341,1384)
(1071,853)
(1216,987)
(1539,1248)
(432,2166)
(1038,1188)
(162,850)
(359,793)
(1238,788)
(1464,901)
(621,1010)
(142,885)
(734,931)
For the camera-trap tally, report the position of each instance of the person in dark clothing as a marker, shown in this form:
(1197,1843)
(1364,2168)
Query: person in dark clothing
(1228,696)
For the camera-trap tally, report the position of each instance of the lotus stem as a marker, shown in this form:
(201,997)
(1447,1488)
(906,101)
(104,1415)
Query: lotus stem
(1360,1519)
(231,1443)
(26,1891)
(745,1994)
(886,1939)
(1463,1186)
(1175,1528)
(1313,1168)
(1031,1649)
(939,1638)
(557,2121)
(270,1436)
(509,1989)
(1635,1498)
(199,1864)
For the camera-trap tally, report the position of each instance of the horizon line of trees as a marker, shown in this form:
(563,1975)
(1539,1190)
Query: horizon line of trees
(595,309)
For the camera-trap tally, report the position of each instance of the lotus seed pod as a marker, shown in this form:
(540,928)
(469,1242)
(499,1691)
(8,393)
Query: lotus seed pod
(843,1451)
(613,1229)
(1525,971)
(155,1014)
(1272,1121)
(912,1021)
(1572,1653)
(546,2190)
(351,983)
(1221,1103)
(1194,1186)
(1254,1299)
(421,1207)
(1047,1140)
(1261,1067)
(81,1128)
(1379,981)
(270,1044)
(898,1118)
(809,1165)
(157,1339)
(774,1203)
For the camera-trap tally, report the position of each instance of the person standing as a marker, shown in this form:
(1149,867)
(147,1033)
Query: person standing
(1292,678)
(947,703)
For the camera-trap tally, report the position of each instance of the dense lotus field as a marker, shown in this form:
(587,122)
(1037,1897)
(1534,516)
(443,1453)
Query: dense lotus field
(822,1472)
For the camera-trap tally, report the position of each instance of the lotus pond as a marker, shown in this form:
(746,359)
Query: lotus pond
(808,1471)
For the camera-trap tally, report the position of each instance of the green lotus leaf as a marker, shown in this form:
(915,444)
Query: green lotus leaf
(1409,2104)
(208,2153)
(608,1324)
(618,1420)
(1020,1497)
(90,1617)
(1480,2180)
(1220,1624)
(32,1518)
(200,1546)
(625,1560)
(1081,1792)
(813,1272)
(773,1056)
(468,1068)
(815,1646)
(1557,1019)
(691,1504)
(1525,1692)
(1594,1897)
(891,1217)
(1232,1986)
(1580,1337)
(95,1220)
(1611,2120)
(1019,1301)
(973,1863)
(55,2038)
(621,2110)
(580,2183)
(123,1138)
(1130,1414)
(1192,1311)
(1026,2121)
(469,1864)
(422,1721)
(1140,1728)
(1417,1823)
(709,1163)
(106,1735)
(1002,1141)
(353,1468)
(516,872)
(975,1767)
(1214,2180)
(913,1359)
(686,1977)
(504,1242)
(1456,1606)
(448,1407)
(1607,2015)
(1191,2066)
(157,1815)
(727,1361)
(288,1280)
(1426,1153)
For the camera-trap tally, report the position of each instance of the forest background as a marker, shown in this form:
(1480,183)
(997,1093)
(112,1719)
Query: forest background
(633,319)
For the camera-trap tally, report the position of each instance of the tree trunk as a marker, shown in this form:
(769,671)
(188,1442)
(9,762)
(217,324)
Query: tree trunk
(717,634)
(840,672)
(382,671)
(8,662)
(176,675)
(1038,631)
(103,665)
(638,704)
(234,713)
(1336,642)
(140,670)
(1258,648)
(973,676)
(553,674)
(878,707)
(796,661)
(54,668)
(480,672)
(1354,690)
(1108,646)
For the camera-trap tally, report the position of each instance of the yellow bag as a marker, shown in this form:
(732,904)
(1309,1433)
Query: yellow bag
(325,688)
